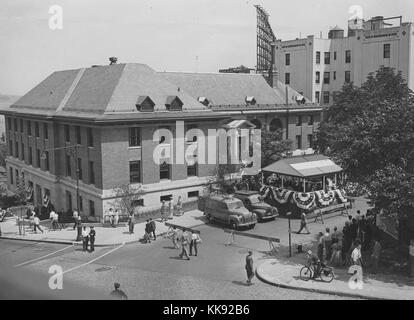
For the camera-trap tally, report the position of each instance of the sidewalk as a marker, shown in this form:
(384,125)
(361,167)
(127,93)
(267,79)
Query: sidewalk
(105,236)
(285,273)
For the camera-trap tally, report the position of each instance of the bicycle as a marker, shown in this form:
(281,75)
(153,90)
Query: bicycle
(307,272)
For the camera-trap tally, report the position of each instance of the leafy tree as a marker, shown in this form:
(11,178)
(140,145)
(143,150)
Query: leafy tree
(3,154)
(126,197)
(274,147)
(370,132)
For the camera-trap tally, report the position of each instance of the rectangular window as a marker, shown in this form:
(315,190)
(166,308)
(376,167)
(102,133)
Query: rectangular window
(68,166)
(327,57)
(78,135)
(30,156)
(135,171)
(287,59)
(23,151)
(299,141)
(29,128)
(298,121)
(167,197)
(193,194)
(334,75)
(90,137)
(318,57)
(80,204)
(91,208)
(16,149)
(326,97)
(134,137)
(80,173)
(335,55)
(347,76)
(387,51)
(11,176)
(91,173)
(67,133)
(192,169)
(38,158)
(47,166)
(46,131)
(318,77)
(310,140)
(15,124)
(348,56)
(287,78)
(317,96)
(69,200)
(164,171)
(310,120)
(21,125)
(37,129)
(11,148)
(326,77)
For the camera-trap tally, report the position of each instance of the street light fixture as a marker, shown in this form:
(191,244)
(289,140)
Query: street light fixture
(74,151)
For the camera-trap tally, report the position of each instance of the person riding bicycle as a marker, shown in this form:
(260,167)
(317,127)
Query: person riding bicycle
(316,263)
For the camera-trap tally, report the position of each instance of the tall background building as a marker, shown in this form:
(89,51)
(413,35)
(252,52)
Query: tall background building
(319,67)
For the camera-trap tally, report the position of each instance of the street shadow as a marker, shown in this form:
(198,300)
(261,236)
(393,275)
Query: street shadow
(177,258)
(169,247)
(241,283)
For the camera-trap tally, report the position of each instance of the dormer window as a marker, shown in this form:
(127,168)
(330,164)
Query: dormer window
(204,101)
(144,103)
(174,103)
(250,101)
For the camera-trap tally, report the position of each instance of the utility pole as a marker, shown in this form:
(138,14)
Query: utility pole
(290,235)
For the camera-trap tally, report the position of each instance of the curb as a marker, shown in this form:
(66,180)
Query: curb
(323,291)
(79,243)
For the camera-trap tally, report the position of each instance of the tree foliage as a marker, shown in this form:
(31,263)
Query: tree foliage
(274,147)
(370,132)
(126,197)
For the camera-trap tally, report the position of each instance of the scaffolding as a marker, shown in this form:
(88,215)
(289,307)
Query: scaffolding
(265,45)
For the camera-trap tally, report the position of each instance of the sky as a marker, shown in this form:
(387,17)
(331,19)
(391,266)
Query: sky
(167,35)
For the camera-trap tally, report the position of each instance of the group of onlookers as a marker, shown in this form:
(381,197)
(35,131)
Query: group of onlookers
(168,207)
(186,240)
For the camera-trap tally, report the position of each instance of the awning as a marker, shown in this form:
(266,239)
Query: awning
(304,166)
(236,124)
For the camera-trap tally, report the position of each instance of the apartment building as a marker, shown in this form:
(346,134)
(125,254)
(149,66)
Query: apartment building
(318,67)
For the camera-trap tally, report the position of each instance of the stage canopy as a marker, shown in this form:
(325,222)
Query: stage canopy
(304,166)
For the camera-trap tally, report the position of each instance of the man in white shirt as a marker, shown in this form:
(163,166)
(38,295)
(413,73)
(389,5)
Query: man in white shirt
(54,219)
(85,238)
(195,238)
(75,218)
(36,222)
(356,254)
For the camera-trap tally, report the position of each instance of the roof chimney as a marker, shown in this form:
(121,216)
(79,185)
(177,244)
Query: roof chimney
(113,60)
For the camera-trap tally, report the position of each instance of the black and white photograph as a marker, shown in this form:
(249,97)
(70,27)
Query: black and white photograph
(189,151)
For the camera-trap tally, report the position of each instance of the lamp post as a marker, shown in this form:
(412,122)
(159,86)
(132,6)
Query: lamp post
(290,235)
(74,151)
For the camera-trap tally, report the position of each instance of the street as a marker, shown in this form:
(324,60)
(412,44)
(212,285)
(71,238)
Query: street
(154,271)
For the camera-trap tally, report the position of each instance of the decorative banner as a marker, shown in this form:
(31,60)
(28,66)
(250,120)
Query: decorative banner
(280,195)
(325,198)
(46,201)
(340,193)
(304,200)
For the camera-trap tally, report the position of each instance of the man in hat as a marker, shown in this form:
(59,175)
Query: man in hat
(249,267)
(118,294)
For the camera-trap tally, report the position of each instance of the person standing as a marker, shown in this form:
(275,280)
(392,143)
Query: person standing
(171,208)
(131,223)
(118,294)
(303,223)
(111,216)
(153,227)
(184,246)
(411,254)
(336,235)
(328,244)
(163,210)
(321,245)
(75,218)
(79,227)
(195,238)
(36,222)
(356,256)
(147,236)
(180,211)
(375,256)
(249,267)
(175,238)
(116,218)
(92,235)
(85,238)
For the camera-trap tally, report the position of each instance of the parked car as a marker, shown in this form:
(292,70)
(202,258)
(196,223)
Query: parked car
(255,203)
(229,210)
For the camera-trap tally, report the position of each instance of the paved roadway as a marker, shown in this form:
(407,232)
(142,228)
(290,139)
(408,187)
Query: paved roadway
(154,271)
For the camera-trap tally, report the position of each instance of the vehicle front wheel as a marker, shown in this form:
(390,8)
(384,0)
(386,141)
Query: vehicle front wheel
(305,273)
(327,275)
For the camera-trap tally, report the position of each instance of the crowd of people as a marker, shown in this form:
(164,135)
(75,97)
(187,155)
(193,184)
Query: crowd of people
(355,244)
(186,240)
